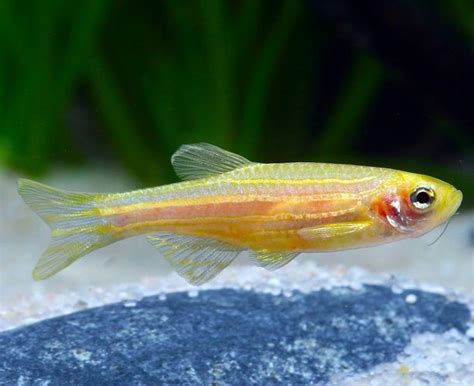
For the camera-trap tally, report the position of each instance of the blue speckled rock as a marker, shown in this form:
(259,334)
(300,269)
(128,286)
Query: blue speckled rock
(226,336)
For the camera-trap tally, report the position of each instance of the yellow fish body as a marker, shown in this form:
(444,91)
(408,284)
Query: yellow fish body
(228,204)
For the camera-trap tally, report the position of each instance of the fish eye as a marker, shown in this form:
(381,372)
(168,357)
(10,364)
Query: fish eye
(422,198)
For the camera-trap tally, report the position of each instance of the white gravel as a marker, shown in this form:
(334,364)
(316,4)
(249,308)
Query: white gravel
(429,359)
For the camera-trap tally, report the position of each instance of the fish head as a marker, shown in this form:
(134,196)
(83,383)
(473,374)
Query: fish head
(413,204)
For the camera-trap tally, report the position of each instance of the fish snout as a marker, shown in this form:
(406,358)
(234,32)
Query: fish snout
(454,201)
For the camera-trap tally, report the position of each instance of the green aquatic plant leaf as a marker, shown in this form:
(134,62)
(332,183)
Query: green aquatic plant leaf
(363,82)
(216,40)
(461,14)
(123,132)
(43,65)
(257,91)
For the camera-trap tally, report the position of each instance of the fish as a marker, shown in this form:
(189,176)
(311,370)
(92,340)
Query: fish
(227,204)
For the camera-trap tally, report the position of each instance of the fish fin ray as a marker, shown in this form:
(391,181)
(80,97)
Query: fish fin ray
(74,221)
(196,259)
(333,230)
(202,160)
(273,260)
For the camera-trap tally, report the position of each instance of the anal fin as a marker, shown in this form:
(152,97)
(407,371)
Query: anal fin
(196,259)
(273,260)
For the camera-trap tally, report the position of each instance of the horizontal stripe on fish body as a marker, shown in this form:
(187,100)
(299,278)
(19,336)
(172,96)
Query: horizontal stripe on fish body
(246,211)
(314,199)
(236,230)
(266,179)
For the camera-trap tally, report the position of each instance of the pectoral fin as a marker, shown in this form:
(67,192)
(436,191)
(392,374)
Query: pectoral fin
(334,230)
(196,259)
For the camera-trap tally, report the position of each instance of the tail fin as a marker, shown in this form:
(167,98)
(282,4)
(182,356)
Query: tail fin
(75,221)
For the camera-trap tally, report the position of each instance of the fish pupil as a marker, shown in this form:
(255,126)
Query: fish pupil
(423,197)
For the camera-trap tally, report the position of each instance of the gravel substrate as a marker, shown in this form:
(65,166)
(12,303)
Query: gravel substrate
(429,359)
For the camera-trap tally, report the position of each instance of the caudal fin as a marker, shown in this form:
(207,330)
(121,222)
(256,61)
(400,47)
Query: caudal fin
(76,225)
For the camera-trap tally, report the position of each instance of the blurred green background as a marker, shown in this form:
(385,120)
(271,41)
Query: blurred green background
(387,83)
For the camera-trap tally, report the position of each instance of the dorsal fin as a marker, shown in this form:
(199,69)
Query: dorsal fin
(201,160)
